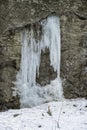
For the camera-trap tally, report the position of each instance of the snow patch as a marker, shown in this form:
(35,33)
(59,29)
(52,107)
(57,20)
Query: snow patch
(66,115)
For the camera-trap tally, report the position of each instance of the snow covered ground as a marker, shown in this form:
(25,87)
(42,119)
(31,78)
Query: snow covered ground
(66,115)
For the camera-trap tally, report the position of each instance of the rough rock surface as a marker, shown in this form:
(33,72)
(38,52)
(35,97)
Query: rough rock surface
(15,15)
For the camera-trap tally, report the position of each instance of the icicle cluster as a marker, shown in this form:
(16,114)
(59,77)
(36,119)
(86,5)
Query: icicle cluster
(30,93)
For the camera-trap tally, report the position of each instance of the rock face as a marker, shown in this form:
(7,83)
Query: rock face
(16,15)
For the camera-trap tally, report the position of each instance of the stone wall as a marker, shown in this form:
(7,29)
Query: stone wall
(17,14)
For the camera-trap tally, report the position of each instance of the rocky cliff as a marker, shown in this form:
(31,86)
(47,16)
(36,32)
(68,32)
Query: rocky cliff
(15,15)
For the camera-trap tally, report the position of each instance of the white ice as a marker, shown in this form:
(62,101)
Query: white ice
(30,92)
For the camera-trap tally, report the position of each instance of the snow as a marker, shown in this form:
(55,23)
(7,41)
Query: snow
(30,93)
(65,115)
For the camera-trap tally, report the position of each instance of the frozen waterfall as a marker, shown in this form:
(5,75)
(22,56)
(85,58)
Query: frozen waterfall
(30,92)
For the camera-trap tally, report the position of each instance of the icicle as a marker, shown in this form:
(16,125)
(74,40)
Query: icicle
(51,40)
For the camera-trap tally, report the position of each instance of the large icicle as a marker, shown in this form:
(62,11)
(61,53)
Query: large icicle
(51,39)
(30,93)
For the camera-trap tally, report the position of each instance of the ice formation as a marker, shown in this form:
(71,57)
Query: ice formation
(30,92)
